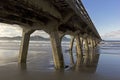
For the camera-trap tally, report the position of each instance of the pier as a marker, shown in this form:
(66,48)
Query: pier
(57,18)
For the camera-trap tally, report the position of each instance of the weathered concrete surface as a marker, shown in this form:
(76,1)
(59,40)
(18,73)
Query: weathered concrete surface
(71,43)
(24,45)
(57,51)
(79,46)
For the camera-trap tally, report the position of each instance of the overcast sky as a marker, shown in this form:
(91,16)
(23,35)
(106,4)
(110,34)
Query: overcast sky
(105,14)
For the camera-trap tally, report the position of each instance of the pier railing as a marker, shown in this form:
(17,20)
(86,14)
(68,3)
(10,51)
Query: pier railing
(81,11)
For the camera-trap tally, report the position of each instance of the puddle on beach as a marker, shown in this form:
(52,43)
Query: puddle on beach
(40,66)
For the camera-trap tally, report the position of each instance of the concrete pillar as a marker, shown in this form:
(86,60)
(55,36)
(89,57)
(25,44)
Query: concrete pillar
(92,51)
(79,59)
(87,55)
(79,62)
(56,49)
(86,47)
(71,58)
(24,45)
(71,43)
(70,52)
(79,46)
(95,43)
(81,39)
(92,43)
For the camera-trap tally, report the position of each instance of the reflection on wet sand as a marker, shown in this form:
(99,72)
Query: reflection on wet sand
(41,67)
(79,71)
(81,64)
(22,66)
(84,63)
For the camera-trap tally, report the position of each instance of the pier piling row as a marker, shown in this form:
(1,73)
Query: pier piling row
(57,18)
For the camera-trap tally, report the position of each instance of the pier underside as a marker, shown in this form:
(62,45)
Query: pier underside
(57,18)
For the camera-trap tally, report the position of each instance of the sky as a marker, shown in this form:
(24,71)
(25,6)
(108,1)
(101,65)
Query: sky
(7,30)
(105,15)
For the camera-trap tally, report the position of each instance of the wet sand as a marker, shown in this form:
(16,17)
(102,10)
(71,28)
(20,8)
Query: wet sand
(40,66)
(106,70)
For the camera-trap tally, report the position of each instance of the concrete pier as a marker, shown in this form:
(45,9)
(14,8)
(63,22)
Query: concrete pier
(56,17)
(86,47)
(71,43)
(79,62)
(81,39)
(71,58)
(87,53)
(57,50)
(24,45)
(92,55)
(79,46)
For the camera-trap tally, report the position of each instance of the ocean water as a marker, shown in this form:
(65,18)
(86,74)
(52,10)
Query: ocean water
(40,66)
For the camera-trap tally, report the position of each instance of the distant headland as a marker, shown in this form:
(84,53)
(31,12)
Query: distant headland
(34,38)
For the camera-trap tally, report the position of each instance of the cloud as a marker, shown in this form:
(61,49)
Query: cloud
(40,33)
(7,30)
(114,35)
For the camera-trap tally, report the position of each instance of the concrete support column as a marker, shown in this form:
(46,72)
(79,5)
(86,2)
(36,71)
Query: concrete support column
(71,58)
(92,43)
(79,46)
(71,43)
(81,39)
(79,62)
(24,45)
(71,48)
(87,55)
(95,42)
(86,47)
(92,51)
(79,59)
(57,50)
